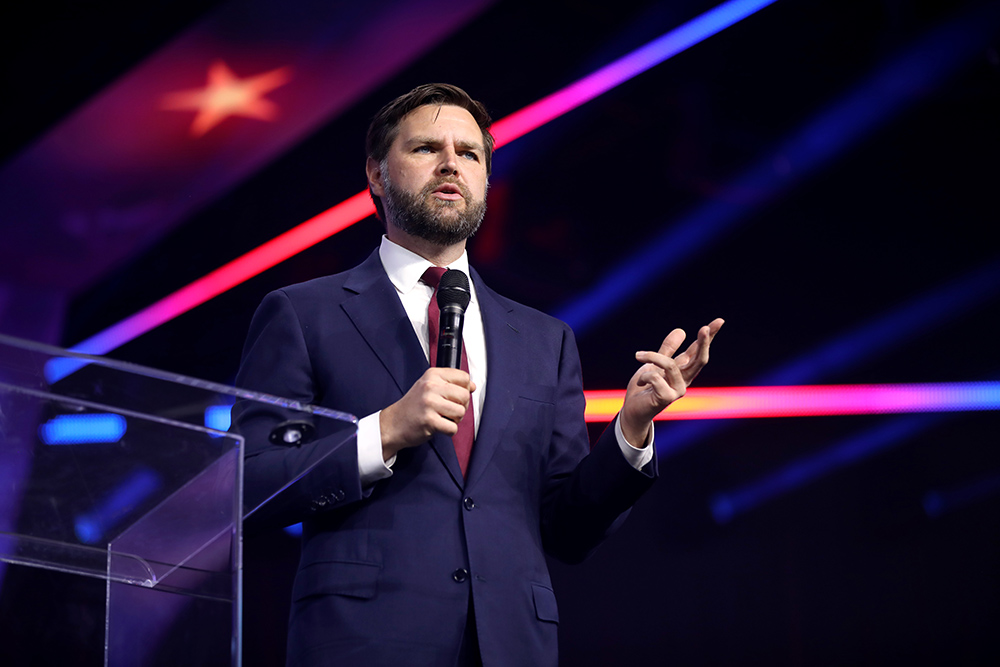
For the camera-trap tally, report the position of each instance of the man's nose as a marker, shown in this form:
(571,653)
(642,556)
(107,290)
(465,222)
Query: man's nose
(449,163)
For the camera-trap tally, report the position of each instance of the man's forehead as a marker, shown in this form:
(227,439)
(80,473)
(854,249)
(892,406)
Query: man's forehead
(431,119)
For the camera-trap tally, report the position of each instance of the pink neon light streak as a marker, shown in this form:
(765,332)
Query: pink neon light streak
(679,39)
(359,206)
(229,275)
(810,401)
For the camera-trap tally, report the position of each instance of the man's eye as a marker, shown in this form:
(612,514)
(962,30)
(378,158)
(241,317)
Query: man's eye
(471,155)
(422,149)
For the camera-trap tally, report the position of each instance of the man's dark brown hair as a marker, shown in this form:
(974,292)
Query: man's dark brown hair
(385,124)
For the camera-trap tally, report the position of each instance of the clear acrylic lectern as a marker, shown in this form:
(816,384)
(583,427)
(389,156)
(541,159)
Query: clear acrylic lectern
(134,476)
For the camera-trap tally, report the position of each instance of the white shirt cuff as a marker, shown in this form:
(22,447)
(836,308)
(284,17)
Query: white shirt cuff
(637,458)
(371,466)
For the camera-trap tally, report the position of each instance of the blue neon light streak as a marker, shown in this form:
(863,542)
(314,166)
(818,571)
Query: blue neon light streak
(920,315)
(892,87)
(93,526)
(917,71)
(59,367)
(926,312)
(505,130)
(82,429)
(727,505)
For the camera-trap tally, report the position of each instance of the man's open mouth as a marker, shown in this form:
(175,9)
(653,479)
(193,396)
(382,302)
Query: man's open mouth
(448,191)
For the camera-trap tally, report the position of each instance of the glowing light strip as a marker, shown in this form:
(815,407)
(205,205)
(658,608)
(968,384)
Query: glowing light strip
(943,399)
(921,315)
(808,469)
(93,526)
(891,88)
(229,275)
(82,429)
(810,401)
(218,417)
(359,206)
(694,31)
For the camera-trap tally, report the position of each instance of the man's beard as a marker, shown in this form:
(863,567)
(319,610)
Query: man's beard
(427,218)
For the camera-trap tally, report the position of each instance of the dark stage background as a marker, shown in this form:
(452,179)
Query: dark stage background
(853,147)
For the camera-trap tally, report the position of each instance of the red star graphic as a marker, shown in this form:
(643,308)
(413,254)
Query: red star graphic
(227,95)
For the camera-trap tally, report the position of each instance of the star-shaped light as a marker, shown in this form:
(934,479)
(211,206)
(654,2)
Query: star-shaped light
(227,95)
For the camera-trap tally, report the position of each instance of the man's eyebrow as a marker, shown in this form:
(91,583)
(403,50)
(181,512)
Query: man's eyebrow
(472,145)
(423,140)
(432,141)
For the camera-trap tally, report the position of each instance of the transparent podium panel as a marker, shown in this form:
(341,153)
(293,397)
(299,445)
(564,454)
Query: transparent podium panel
(121,504)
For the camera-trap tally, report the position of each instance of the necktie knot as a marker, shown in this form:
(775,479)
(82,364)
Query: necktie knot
(432,276)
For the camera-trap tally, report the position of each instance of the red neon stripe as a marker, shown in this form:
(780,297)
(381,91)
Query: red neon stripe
(810,401)
(359,206)
(229,275)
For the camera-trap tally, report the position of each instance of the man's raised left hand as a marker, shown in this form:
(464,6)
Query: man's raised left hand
(662,379)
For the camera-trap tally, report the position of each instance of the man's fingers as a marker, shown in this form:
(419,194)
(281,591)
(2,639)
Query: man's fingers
(434,404)
(664,378)
(705,336)
(673,341)
(675,378)
(663,369)
(690,362)
(689,355)
(453,376)
(439,424)
(449,407)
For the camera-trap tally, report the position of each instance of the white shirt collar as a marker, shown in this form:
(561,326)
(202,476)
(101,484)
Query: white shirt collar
(405,268)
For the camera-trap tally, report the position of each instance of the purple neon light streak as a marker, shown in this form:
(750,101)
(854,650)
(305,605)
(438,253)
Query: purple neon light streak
(679,39)
(505,130)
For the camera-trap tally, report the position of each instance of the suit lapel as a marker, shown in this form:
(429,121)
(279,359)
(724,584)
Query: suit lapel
(502,343)
(379,317)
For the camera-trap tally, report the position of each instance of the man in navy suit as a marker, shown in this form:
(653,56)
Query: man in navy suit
(411,556)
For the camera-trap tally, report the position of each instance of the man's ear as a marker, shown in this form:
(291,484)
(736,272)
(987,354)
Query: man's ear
(374,171)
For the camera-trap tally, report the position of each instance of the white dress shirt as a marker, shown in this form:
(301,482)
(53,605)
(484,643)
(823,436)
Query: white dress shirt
(405,269)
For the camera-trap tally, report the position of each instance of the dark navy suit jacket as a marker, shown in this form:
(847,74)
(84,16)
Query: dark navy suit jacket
(386,572)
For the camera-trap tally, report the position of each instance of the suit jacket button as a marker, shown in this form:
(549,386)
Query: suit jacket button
(460,575)
(469,504)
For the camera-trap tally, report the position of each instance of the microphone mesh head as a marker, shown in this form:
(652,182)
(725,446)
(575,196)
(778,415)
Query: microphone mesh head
(453,290)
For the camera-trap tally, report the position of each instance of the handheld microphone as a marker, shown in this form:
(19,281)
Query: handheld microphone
(453,297)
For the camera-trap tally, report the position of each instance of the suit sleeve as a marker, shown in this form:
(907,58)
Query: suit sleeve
(587,494)
(319,475)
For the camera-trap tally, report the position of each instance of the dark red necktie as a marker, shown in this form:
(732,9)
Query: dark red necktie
(467,426)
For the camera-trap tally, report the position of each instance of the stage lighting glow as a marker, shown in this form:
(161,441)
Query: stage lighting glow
(82,429)
(93,526)
(218,417)
(725,506)
(694,31)
(226,277)
(227,95)
(856,346)
(810,401)
(888,90)
(359,206)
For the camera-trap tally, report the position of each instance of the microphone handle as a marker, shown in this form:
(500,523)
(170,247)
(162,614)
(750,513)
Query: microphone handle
(449,349)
